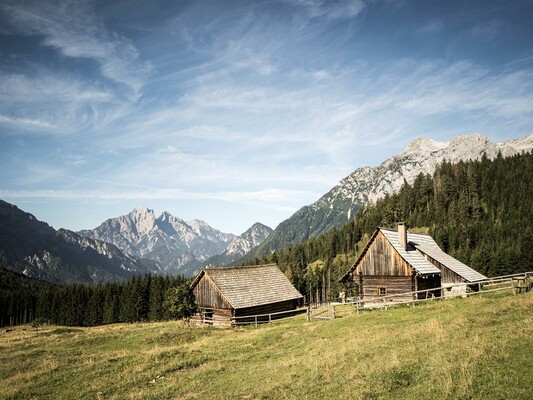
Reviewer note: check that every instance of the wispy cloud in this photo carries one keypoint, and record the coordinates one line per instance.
(25, 122)
(271, 198)
(488, 29)
(54, 103)
(432, 27)
(47, 86)
(72, 28)
(339, 9)
(258, 102)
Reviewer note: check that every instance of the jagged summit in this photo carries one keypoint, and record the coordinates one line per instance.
(37, 250)
(176, 245)
(241, 245)
(420, 144)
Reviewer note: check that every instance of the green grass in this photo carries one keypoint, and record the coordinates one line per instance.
(476, 348)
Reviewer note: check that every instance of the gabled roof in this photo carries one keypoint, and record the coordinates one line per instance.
(426, 245)
(418, 245)
(250, 286)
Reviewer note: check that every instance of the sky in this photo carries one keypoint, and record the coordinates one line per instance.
(236, 112)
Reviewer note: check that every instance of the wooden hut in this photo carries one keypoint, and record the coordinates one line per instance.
(397, 263)
(222, 294)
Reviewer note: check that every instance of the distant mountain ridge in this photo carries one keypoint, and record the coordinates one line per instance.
(241, 245)
(366, 184)
(33, 248)
(178, 246)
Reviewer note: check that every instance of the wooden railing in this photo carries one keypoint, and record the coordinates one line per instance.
(265, 318)
(516, 283)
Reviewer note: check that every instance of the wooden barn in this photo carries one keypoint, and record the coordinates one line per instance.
(397, 262)
(223, 294)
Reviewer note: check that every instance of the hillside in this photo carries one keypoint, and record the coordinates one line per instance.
(368, 184)
(474, 348)
(37, 250)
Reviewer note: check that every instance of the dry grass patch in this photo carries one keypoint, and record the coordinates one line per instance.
(474, 348)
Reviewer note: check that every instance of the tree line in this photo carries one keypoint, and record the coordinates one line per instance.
(479, 212)
(142, 298)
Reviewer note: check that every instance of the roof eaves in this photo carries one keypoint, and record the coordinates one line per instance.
(196, 279)
(354, 266)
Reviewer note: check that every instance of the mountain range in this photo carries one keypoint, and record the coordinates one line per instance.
(242, 245)
(37, 250)
(141, 242)
(135, 243)
(177, 246)
(367, 184)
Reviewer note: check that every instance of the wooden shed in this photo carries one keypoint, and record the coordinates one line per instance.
(395, 262)
(222, 294)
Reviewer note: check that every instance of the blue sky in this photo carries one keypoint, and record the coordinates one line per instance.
(241, 111)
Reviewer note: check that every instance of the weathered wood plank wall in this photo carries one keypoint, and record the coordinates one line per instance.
(267, 308)
(381, 259)
(447, 275)
(393, 285)
(207, 295)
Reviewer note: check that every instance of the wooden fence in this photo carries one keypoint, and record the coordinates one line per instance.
(517, 283)
(265, 318)
(226, 322)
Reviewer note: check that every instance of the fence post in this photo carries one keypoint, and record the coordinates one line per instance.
(333, 312)
(308, 312)
(269, 318)
(256, 321)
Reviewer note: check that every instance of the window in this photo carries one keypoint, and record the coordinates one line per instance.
(207, 315)
(382, 291)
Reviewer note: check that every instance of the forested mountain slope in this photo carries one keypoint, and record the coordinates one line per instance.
(368, 184)
(480, 212)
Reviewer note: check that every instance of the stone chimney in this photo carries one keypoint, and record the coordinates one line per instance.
(402, 234)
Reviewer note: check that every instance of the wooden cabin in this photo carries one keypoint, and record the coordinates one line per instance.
(222, 294)
(397, 262)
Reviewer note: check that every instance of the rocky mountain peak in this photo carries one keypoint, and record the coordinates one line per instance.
(257, 233)
(142, 218)
(241, 245)
(198, 225)
(421, 144)
(178, 246)
(35, 249)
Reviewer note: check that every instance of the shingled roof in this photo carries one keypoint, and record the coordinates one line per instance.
(411, 255)
(250, 286)
(426, 245)
(419, 245)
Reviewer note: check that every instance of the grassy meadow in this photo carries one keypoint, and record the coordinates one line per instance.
(475, 348)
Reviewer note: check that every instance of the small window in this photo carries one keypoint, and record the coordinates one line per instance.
(382, 291)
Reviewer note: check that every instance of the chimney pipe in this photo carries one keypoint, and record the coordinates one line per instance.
(402, 234)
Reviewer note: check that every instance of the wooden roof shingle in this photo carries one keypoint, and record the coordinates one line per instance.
(419, 245)
(426, 245)
(411, 255)
(251, 286)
